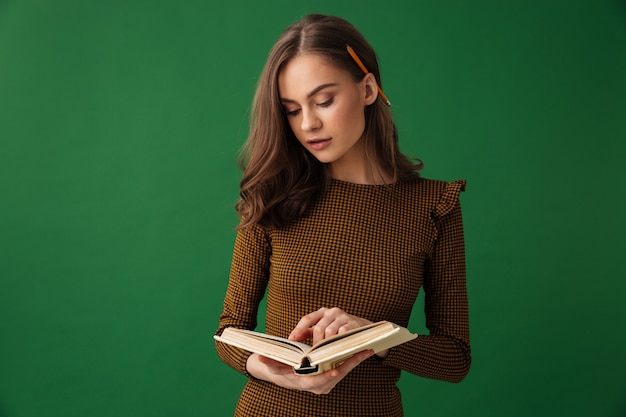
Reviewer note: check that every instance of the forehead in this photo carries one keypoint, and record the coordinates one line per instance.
(303, 73)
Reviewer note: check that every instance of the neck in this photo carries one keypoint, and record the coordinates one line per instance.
(356, 167)
(358, 172)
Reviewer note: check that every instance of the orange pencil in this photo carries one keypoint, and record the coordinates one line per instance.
(365, 71)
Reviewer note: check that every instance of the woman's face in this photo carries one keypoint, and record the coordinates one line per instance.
(325, 108)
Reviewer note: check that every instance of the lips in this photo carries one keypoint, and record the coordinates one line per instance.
(318, 144)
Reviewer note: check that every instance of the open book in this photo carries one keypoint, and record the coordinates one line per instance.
(324, 355)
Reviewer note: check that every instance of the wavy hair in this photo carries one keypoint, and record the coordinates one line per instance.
(281, 179)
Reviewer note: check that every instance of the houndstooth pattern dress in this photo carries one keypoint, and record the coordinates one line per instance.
(367, 249)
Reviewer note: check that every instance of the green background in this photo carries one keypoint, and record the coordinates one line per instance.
(120, 122)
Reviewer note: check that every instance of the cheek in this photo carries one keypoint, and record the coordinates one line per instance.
(352, 120)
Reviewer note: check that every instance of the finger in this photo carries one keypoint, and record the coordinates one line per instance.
(325, 328)
(303, 329)
(275, 367)
(337, 325)
(329, 325)
(325, 382)
(301, 334)
(267, 361)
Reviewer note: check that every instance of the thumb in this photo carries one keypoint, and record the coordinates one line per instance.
(267, 361)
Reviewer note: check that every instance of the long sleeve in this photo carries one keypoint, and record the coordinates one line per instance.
(246, 287)
(369, 250)
(444, 353)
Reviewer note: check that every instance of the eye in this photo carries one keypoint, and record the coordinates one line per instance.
(327, 102)
(291, 113)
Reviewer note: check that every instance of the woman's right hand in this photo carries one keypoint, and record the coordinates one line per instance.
(283, 375)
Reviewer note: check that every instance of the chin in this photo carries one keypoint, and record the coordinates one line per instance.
(324, 159)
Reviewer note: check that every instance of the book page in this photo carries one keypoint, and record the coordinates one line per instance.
(334, 339)
(377, 337)
(290, 344)
(277, 348)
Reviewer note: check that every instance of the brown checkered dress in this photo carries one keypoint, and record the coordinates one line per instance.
(366, 249)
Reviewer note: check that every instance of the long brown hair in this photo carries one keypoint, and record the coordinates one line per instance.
(280, 178)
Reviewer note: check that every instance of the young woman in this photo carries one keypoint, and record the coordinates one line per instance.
(340, 231)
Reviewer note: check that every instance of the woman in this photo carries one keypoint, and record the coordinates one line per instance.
(341, 231)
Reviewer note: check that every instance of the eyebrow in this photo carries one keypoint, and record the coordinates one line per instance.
(312, 93)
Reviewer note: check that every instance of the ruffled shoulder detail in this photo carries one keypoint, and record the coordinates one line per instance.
(449, 198)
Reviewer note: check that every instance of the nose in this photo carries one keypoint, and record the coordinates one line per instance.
(310, 121)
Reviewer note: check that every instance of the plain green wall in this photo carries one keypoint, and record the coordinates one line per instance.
(120, 122)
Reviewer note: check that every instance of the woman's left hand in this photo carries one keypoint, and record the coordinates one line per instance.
(326, 322)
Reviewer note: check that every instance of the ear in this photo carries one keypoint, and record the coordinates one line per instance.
(370, 89)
